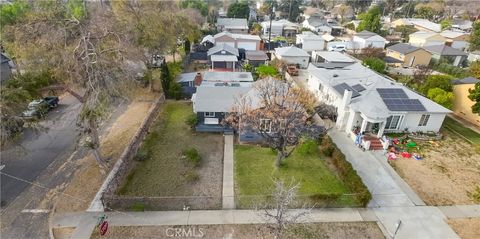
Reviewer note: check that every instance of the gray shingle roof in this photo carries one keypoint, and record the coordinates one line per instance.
(236, 23)
(365, 34)
(444, 50)
(403, 48)
(223, 47)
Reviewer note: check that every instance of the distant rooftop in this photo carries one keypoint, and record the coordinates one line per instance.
(233, 23)
(468, 80)
(444, 50)
(403, 48)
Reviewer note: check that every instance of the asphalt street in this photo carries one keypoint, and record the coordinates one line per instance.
(37, 149)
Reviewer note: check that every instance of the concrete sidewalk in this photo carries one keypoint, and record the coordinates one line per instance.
(228, 196)
(199, 217)
(385, 191)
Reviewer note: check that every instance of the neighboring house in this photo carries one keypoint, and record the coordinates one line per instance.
(293, 55)
(189, 82)
(222, 13)
(240, 41)
(462, 25)
(443, 52)
(458, 40)
(407, 55)
(281, 27)
(421, 39)
(462, 105)
(6, 68)
(474, 56)
(310, 41)
(213, 100)
(233, 25)
(322, 26)
(418, 23)
(369, 102)
(366, 39)
(223, 57)
(256, 58)
(331, 57)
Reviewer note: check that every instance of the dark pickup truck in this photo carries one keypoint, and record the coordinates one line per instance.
(38, 108)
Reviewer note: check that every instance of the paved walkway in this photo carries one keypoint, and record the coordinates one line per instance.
(392, 199)
(228, 199)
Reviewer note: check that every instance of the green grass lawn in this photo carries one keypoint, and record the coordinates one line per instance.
(455, 126)
(165, 172)
(255, 173)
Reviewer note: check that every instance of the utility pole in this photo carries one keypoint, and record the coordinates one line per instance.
(290, 10)
(270, 30)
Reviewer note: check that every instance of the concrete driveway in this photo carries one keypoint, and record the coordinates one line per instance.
(37, 150)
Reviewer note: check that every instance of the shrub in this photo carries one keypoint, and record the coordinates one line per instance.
(192, 156)
(349, 176)
(375, 64)
(192, 176)
(308, 147)
(327, 146)
(138, 207)
(192, 120)
(475, 195)
(142, 154)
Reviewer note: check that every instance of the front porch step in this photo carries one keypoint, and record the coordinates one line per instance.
(375, 143)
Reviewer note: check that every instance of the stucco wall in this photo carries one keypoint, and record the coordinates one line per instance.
(434, 123)
(462, 105)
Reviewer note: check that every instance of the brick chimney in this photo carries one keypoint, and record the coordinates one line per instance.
(198, 79)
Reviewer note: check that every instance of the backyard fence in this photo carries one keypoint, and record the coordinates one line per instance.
(125, 162)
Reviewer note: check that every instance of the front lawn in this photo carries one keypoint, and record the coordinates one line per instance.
(460, 130)
(255, 173)
(166, 172)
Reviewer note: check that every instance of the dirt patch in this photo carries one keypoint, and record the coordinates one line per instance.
(466, 228)
(88, 179)
(249, 231)
(63, 233)
(448, 174)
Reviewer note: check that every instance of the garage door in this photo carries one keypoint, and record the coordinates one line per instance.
(232, 44)
(249, 46)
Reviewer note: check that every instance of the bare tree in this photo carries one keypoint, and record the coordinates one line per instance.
(279, 112)
(283, 197)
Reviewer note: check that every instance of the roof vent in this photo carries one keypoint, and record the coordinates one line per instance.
(335, 75)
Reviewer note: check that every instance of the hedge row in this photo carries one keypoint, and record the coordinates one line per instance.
(345, 170)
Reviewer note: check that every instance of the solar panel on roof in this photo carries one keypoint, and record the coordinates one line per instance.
(358, 87)
(340, 88)
(404, 105)
(387, 93)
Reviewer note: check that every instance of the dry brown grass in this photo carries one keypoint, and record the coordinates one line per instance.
(466, 228)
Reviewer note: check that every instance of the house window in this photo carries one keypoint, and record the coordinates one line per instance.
(266, 125)
(393, 122)
(209, 114)
(424, 120)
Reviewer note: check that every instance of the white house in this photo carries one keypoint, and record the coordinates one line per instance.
(280, 28)
(369, 102)
(310, 41)
(244, 41)
(331, 57)
(322, 26)
(366, 39)
(293, 55)
(418, 23)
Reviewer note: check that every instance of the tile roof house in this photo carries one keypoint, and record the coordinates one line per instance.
(444, 52)
(233, 25)
(223, 57)
(366, 39)
(455, 39)
(421, 39)
(240, 41)
(407, 55)
(369, 102)
(310, 41)
(293, 55)
(462, 105)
